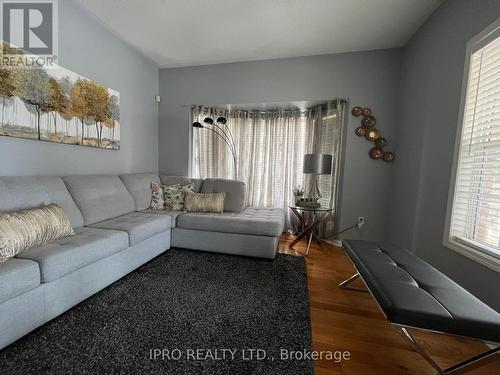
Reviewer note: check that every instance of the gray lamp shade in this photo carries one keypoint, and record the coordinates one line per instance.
(317, 164)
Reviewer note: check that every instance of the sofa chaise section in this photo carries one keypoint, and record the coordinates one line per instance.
(253, 232)
(241, 231)
(256, 221)
(226, 243)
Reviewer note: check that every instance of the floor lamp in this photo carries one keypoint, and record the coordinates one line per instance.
(221, 129)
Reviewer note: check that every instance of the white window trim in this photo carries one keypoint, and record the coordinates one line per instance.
(467, 248)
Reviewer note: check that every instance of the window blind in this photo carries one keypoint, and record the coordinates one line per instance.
(475, 218)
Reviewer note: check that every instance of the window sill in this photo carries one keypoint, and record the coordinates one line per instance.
(473, 253)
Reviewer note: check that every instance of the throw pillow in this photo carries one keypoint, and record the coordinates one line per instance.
(205, 202)
(33, 227)
(157, 200)
(174, 196)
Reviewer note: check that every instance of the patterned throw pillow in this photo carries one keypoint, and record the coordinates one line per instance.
(174, 196)
(205, 202)
(33, 227)
(157, 201)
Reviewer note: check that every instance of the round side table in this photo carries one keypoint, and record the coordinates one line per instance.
(319, 215)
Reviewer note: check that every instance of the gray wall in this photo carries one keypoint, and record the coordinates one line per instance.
(89, 49)
(432, 72)
(367, 78)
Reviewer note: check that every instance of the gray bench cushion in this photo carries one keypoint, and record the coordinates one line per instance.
(235, 192)
(255, 221)
(18, 276)
(412, 292)
(66, 255)
(138, 225)
(17, 193)
(173, 180)
(100, 197)
(173, 215)
(139, 186)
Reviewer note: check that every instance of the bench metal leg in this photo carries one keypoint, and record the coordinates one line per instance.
(409, 338)
(344, 284)
(461, 367)
(474, 362)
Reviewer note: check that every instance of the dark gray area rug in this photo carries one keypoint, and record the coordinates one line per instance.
(184, 312)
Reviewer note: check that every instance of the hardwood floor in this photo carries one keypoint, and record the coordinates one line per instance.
(349, 320)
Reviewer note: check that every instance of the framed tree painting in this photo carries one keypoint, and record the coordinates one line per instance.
(58, 105)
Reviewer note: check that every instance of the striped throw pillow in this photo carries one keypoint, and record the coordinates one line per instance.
(32, 227)
(202, 202)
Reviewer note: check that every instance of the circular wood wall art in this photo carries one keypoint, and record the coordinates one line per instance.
(388, 156)
(357, 111)
(360, 131)
(381, 142)
(376, 153)
(367, 112)
(372, 134)
(368, 121)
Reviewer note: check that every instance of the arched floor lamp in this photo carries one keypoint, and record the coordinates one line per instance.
(221, 129)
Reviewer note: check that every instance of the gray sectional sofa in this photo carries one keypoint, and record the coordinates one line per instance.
(114, 234)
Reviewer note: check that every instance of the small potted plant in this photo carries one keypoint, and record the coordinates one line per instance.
(298, 192)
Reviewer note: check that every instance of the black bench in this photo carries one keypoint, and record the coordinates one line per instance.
(413, 294)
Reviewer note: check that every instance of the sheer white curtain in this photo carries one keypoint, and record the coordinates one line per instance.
(270, 147)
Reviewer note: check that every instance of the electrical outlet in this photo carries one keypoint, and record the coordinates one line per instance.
(361, 222)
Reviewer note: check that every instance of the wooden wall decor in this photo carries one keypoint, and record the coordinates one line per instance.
(372, 134)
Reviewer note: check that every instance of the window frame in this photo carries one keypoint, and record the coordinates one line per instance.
(468, 248)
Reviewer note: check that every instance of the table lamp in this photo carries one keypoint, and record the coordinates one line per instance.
(317, 164)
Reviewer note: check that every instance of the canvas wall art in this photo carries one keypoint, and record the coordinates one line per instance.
(58, 105)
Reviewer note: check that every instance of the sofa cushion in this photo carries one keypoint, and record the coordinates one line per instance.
(172, 214)
(18, 193)
(255, 221)
(138, 225)
(179, 180)
(139, 186)
(66, 255)
(100, 197)
(235, 192)
(18, 276)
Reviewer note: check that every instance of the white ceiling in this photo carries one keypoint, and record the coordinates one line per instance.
(198, 32)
